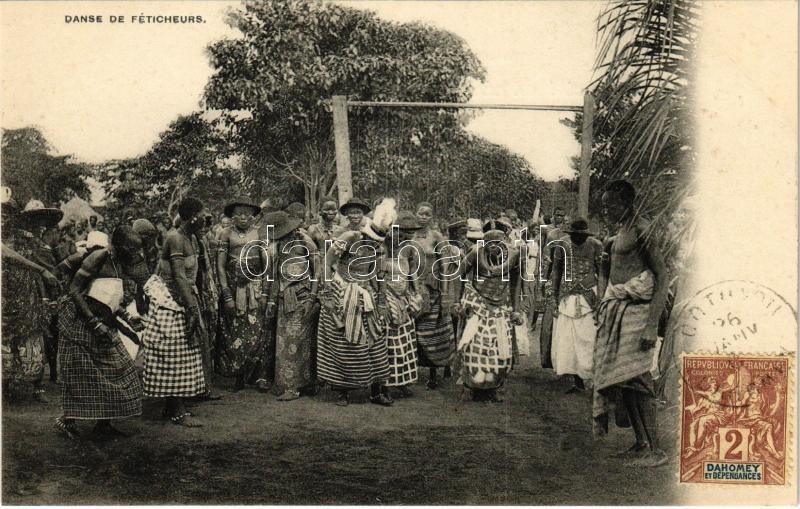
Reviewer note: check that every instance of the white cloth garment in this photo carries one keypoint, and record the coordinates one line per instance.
(574, 333)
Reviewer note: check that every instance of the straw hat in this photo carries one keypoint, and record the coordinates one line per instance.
(282, 224)
(36, 212)
(355, 202)
(241, 201)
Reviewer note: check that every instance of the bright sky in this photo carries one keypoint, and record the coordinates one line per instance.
(105, 91)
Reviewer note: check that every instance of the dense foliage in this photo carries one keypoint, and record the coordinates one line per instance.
(32, 172)
(294, 56)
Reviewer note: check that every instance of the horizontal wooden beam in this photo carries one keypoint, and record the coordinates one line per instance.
(391, 104)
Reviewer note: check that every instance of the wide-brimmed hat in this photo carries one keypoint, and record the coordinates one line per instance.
(355, 202)
(36, 212)
(457, 225)
(407, 220)
(282, 224)
(241, 201)
(474, 229)
(579, 225)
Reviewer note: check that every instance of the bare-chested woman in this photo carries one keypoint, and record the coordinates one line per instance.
(434, 324)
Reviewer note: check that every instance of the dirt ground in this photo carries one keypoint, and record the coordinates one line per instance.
(435, 448)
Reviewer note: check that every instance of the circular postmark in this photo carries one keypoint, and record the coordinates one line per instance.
(735, 316)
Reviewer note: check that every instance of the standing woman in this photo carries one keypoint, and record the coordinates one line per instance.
(294, 294)
(326, 229)
(98, 378)
(491, 303)
(402, 304)
(173, 337)
(351, 350)
(248, 353)
(434, 324)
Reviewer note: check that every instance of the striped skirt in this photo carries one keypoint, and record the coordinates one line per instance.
(172, 368)
(344, 364)
(401, 343)
(435, 336)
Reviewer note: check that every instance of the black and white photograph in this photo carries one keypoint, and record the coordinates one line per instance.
(362, 252)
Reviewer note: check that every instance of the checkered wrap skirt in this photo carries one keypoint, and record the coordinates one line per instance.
(172, 368)
(98, 379)
(485, 365)
(401, 342)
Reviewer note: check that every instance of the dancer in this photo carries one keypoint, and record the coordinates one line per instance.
(173, 336)
(293, 293)
(352, 351)
(434, 323)
(98, 379)
(248, 352)
(491, 303)
(574, 299)
(402, 304)
(634, 289)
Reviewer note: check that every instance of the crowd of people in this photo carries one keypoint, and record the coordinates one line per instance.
(365, 297)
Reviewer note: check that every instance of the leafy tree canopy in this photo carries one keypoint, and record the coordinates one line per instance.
(32, 172)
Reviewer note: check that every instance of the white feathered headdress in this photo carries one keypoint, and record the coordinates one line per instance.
(382, 220)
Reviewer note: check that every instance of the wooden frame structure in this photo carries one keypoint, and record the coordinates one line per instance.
(341, 134)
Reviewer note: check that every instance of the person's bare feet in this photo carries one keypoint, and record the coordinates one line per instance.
(185, 419)
(651, 459)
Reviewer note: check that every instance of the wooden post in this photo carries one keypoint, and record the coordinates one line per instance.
(586, 154)
(341, 138)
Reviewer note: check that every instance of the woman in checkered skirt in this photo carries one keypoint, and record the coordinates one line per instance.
(402, 304)
(173, 336)
(98, 379)
(491, 303)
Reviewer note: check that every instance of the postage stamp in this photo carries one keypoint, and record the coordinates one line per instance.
(736, 418)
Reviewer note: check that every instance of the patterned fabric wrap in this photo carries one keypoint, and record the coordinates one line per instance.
(23, 318)
(622, 318)
(340, 361)
(361, 322)
(296, 333)
(172, 368)
(98, 377)
(402, 348)
(486, 344)
(435, 336)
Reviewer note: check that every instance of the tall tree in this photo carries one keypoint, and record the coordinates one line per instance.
(295, 55)
(190, 157)
(32, 171)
